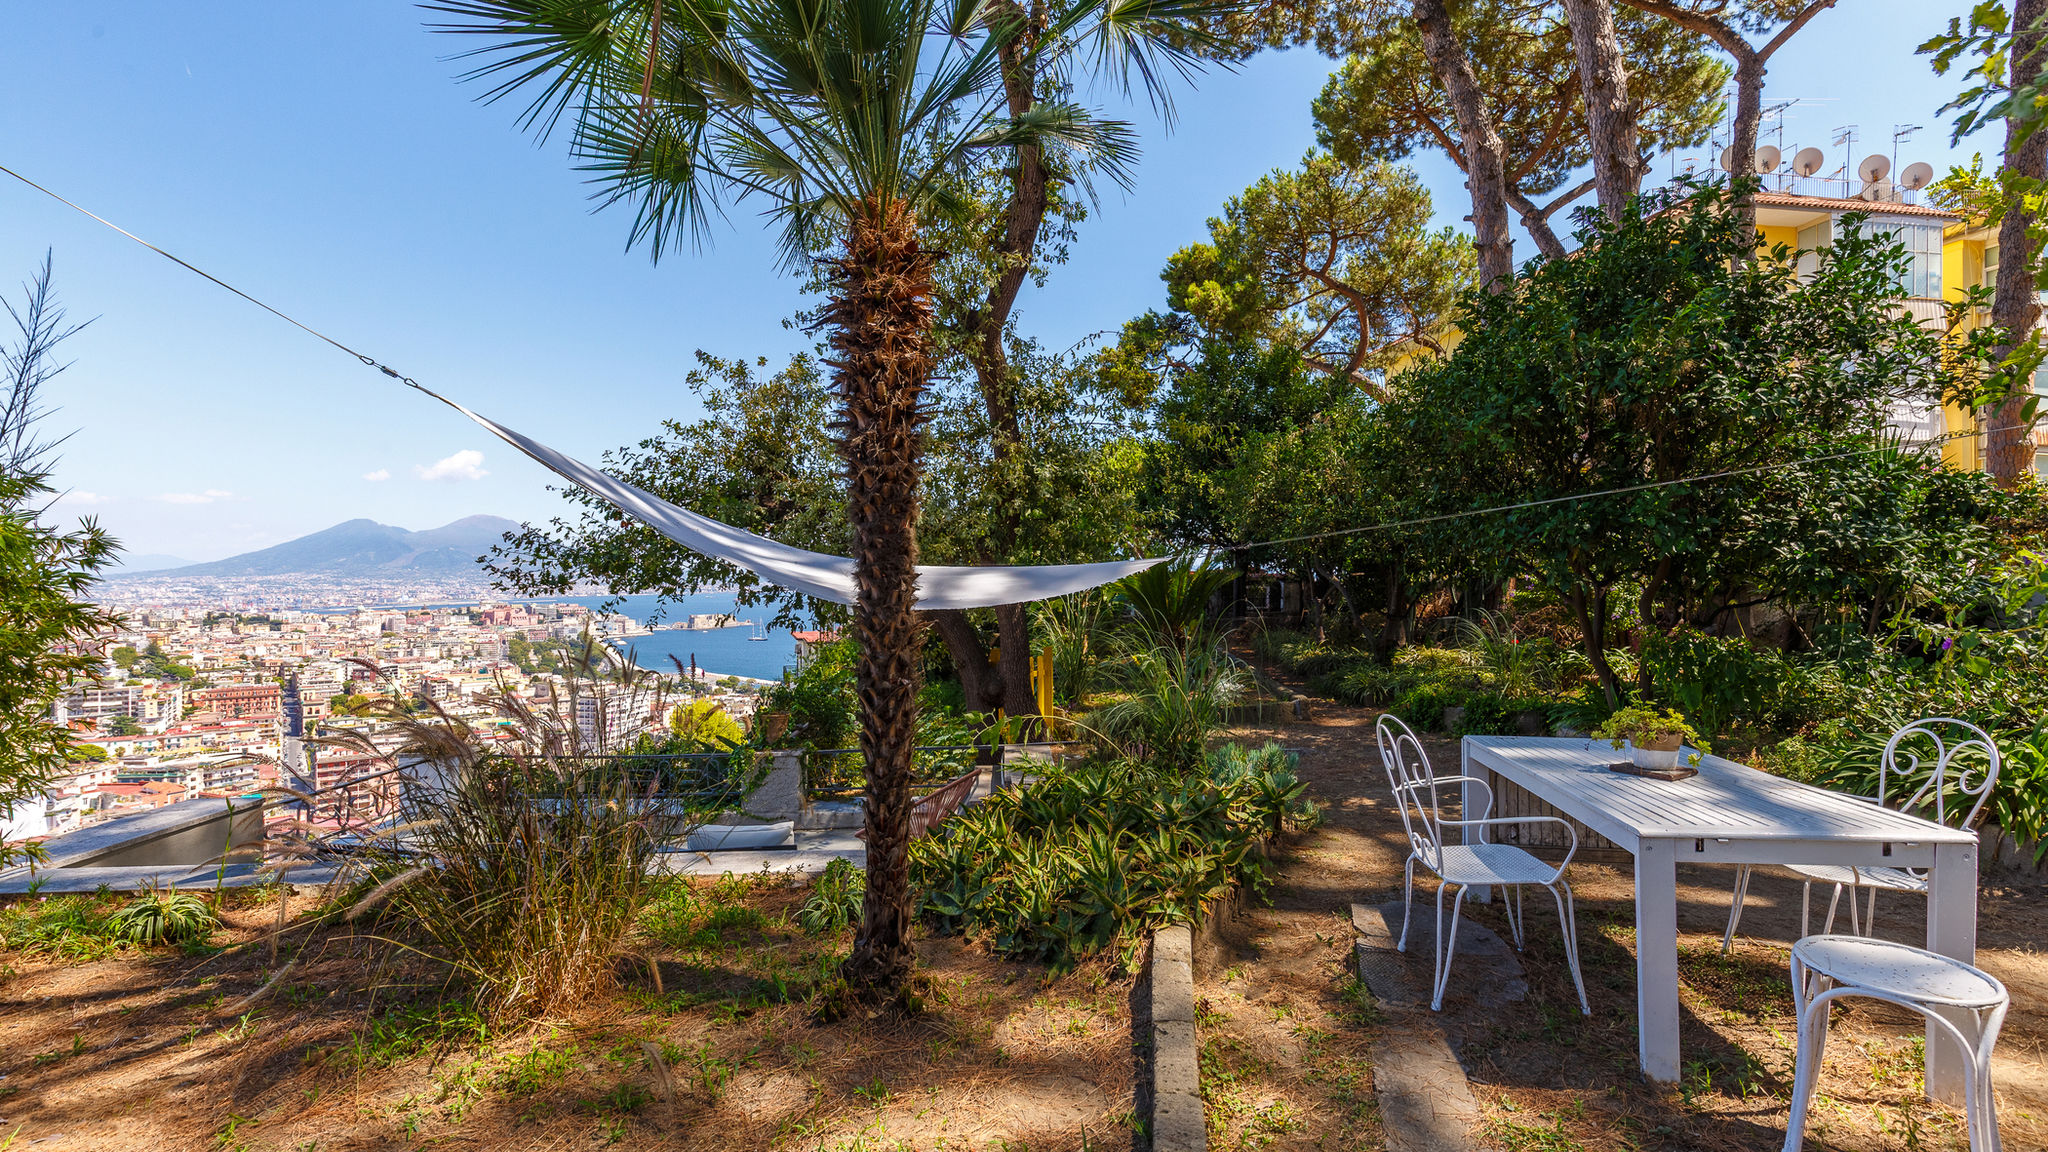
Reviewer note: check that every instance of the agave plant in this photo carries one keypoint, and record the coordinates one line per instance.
(1090, 858)
(164, 916)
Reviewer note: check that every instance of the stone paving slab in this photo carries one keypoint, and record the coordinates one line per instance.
(1426, 1102)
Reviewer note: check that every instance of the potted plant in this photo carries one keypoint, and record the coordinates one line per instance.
(1652, 737)
(770, 727)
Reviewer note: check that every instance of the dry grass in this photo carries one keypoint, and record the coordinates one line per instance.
(358, 1051)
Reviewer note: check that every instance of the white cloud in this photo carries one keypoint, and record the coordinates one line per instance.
(379, 474)
(207, 497)
(76, 496)
(464, 465)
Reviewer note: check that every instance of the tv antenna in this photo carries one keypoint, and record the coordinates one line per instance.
(1900, 134)
(1846, 136)
(1776, 112)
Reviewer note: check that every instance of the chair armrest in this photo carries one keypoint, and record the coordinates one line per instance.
(1484, 824)
(1485, 809)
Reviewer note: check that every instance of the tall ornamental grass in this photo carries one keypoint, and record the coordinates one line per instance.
(520, 858)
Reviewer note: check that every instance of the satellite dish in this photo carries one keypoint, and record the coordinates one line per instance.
(1728, 158)
(1877, 191)
(1916, 175)
(1874, 168)
(1767, 158)
(1808, 161)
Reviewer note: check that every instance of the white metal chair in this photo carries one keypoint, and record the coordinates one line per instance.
(1827, 968)
(1463, 866)
(1946, 790)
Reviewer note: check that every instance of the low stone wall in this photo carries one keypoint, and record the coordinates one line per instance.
(182, 835)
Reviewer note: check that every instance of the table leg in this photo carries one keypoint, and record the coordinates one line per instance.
(1951, 931)
(1469, 800)
(1657, 959)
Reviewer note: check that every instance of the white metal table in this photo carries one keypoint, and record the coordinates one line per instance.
(1731, 814)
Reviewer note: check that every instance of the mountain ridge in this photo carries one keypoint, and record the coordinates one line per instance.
(360, 547)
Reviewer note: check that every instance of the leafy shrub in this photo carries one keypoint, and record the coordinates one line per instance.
(1367, 683)
(1718, 681)
(1581, 711)
(1492, 714)
(1424, 661)
(703, 726)
(1093, 856)
(835, 903)
(164, 917)
(1423, 706)
(819, 699)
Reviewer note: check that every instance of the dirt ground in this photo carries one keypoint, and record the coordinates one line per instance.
(153, 1053)
(1551, 1079)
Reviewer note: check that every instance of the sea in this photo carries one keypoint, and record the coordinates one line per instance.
(719, 651)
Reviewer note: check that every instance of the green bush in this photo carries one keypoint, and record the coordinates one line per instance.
(819, 699)
(1370, 684)
(1423, 706)
(1492, 714)
(2019, 800)
(1424, 661)
(1094, 856)
(1719, 681)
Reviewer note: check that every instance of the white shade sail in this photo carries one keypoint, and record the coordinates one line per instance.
(813, 573)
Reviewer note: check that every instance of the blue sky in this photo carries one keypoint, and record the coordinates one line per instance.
(323, 157)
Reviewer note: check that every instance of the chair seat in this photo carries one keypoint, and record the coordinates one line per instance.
(1899, 970)
(1492, 864)
(1889, 879)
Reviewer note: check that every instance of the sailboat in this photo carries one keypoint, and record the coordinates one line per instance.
(758, 636)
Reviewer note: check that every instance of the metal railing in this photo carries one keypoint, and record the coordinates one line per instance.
(837, 773)
(357, 806)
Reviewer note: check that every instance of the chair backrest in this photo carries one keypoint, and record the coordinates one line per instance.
(1956, 785)
(1413, 782)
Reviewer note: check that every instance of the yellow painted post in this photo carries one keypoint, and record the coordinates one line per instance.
(1041, 682)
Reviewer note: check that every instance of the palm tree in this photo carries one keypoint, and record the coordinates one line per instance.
(846, 120)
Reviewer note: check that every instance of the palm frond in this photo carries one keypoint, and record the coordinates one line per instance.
(571, 48)
(1108, 146)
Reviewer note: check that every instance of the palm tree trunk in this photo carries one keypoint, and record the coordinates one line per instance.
(880, 319)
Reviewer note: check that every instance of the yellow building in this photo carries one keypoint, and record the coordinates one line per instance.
(1970, 257)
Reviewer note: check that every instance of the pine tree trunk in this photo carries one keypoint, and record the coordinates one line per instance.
(1485, 162)
(1610, 117)
(979, 683)
(2015, 306)
(880, 318)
